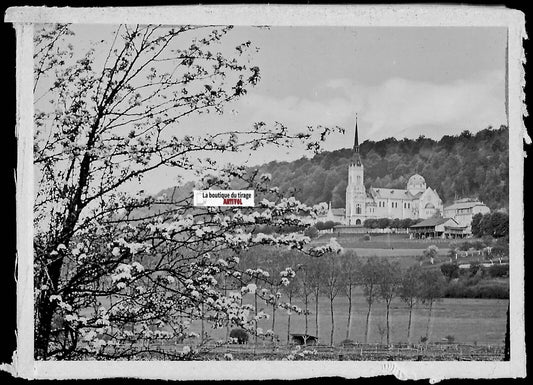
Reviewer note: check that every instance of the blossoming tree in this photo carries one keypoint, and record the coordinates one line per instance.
(117, 273)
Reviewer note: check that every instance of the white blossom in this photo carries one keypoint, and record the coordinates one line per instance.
(252, 287)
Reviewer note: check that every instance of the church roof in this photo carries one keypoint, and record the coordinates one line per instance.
(416, 178)
(391, 193)
(338, 211)
(464, 205)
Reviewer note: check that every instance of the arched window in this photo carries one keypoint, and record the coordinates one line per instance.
(358, 209)
(358, 222)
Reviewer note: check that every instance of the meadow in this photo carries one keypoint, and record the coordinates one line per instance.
(459, 328)
(469, 320)
(384, 241)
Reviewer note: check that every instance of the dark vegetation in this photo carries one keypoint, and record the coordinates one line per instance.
(495, 224)
(479, 163)
(477, 281)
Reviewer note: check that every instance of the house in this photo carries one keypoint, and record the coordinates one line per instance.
(463, 210)
(438, 227)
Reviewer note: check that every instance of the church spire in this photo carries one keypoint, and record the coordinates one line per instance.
(356, 145)
(356, 141)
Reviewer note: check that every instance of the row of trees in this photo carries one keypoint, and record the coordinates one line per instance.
(396, 223)
(336, 274)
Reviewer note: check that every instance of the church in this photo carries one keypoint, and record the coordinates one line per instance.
(416, 201)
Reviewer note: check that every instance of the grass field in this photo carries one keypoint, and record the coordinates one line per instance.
(469, 321)
(384, 241)
(476, 325)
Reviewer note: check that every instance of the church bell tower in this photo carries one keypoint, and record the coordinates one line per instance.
(355, 191)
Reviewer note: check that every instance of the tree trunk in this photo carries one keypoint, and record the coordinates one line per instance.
(202, 325)
(349, 326)
(387, 322)
(367, 324)
(75, 206)
(289, 322)
(46, 308)
(429, 321)
(273, 319)
(255, 320)
(316, 315)
(409, 324)
(306, 299)
(44, 326)
(332, 321)
(225, 295)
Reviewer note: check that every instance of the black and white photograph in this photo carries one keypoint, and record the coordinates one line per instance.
(278, 192)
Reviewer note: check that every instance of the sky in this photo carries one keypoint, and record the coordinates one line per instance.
(401, 81)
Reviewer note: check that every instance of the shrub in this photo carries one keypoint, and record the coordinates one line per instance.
(450, 339)
(484, 291)
(450, 270)
(474, 268)
(311, 232)
(477, 244)
(458, 290)
(366, 237)
(497, 271)
(492, 291)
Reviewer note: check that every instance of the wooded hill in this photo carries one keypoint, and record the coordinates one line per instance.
(465, 165)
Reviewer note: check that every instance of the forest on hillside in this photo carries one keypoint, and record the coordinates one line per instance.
(459, 166)
(465, 165)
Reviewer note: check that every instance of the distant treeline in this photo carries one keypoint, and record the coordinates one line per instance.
(465, 165)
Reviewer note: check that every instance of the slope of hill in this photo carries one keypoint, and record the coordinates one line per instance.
(465, 165)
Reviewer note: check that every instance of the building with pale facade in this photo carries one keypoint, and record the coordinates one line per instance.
(416, 201)
(462, 210)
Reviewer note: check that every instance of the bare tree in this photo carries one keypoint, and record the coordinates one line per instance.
(389, 283)
(305, 290)
(332, 285)
(409, 292)
(370, 277)
(290, 289)
(316, 277)
(431, 289)
(351, 272)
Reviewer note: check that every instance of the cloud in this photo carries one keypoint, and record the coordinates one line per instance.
(297, 112)
(401, 107)
(398, 107)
